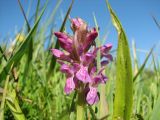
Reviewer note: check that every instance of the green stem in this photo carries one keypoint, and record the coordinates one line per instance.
(81, 106)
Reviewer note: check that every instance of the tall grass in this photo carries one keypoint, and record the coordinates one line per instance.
(32, 86)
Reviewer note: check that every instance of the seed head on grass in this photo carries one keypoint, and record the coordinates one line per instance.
(78, 60)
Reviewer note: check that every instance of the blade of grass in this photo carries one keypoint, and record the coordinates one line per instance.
(124, 85)
(72, 107)
(103, 107)
(53, 59)
(28, 26)
(6, 61)
(49, 23)
(155, 69)
(30, 46)
(50, 19)
(92, 112)
(3, 55)
(97, 43)
(135, 57)
(143, 65)
(155, 20)
(37, 10)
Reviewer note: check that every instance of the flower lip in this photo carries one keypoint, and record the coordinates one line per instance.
(83, 75)
(69, 86)
(92, 96)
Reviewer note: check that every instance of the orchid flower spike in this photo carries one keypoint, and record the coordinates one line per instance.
(78, 60)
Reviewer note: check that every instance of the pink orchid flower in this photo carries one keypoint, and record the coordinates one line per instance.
(78, 60)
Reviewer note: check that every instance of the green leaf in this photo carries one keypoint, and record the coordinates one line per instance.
(124, 84)
(18, 55)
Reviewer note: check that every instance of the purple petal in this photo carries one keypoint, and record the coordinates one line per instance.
(76, 23)
(92, 96)
(76, 67)
(83, 75)
(60, 35)
(88, 58)
(108, 56)
(64, 41)
(69, 86)
(106, 48)
(57, 53)
(103, 77)
(60, 55)
(90, 38)
(97, 79)
(104, 63)
(93, 70)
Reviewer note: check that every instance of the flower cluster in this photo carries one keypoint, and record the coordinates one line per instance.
(78, 60)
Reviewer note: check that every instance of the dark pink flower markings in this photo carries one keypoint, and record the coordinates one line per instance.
(78, 60)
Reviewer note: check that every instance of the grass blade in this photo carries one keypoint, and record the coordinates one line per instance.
(157, 23)
(28, 26)
(143, 65)
(135, 57)
(30, 46)
(103, 107)
(3, 55)
(37, 10)
(92, 112)
(124, 84)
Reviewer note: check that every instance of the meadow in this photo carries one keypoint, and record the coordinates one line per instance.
(32, 85)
